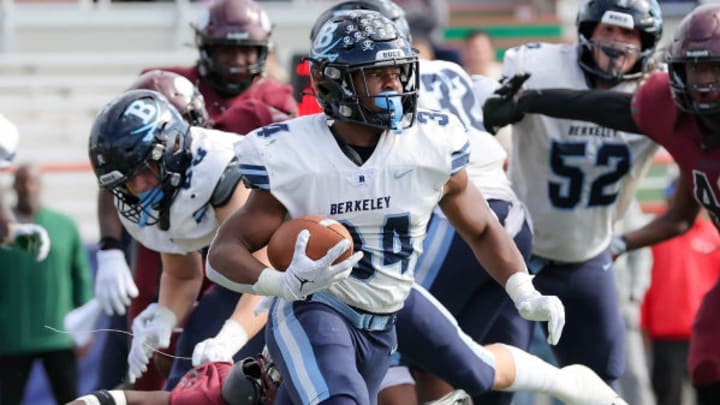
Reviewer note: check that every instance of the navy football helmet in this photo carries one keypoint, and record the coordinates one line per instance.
(642, 15)
(352, 43)
(388, 8)
(179, 91)
(240, 23)
(138, 130)
(696, 41)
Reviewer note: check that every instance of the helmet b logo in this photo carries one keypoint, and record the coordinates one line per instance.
(144, 110)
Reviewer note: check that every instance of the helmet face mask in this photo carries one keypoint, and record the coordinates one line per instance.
(140, 132)
(644, 16)
(229, 24)
(345, 49)
(694, 62)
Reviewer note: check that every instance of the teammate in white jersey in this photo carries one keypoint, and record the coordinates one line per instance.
(449, 269)
(576, 178)
(374, 164)
(173, 184)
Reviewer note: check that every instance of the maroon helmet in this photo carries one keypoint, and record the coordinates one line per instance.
(696, 41)
(240, 23)
(179, 91)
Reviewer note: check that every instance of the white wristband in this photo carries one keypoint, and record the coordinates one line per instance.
(618, 245)
(110, 254)
(217, 278)
(93, 398)
(270, 282)
(233, 335)
(519, 287)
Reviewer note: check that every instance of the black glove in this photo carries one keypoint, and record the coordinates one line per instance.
(501, 108)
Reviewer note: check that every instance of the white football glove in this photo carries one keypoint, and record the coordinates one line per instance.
(306, 276)
(152, 330)
(231, 338)
(31, 238)
(114, 285)
(534, 306)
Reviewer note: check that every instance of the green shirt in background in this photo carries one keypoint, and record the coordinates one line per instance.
(34, 294)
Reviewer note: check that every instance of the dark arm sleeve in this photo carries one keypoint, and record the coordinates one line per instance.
(611, 109)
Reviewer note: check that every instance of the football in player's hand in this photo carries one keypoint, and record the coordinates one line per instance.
(324, 234)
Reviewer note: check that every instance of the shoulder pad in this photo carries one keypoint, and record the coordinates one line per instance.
(226, 184)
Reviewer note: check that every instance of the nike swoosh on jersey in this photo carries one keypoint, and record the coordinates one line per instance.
(400, 173)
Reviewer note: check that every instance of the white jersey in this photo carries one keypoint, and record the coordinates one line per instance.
(575, 177)
(385, 203)
(446, 87)
(192, 217)
(483, 87)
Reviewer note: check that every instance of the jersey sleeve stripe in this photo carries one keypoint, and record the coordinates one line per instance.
(460, 158)
(256, 176)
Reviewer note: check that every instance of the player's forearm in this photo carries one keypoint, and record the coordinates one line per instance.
(178, 295)
(498, 254)
(108, 220)
(611, 109)
(664, 227)
(245, 315)
(230, 258)
(682, 211)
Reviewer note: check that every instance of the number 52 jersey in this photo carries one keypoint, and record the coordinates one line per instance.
(385, 203)
(576, 178)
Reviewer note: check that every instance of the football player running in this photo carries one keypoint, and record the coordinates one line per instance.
(577, 178)
(680, 110)
(448, 268)
(331, 328)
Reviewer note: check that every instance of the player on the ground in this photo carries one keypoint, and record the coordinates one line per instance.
(250, 381)
(379, 167)
(679, 110)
